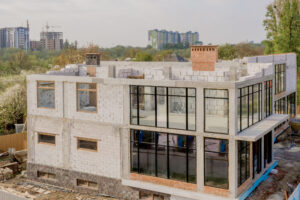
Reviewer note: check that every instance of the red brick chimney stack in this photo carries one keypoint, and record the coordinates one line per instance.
(204, 57)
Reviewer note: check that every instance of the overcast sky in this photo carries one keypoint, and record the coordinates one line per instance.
(126, 22)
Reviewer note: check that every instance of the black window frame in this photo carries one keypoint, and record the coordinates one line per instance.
(257, 144)
(243, 148)
(280, 78)
(268, 98)
(268, 143)
(224, 98)
(187, 96)
(168, 146)
(223, 153)
(240, 113)
(280, 106)
(291, 105)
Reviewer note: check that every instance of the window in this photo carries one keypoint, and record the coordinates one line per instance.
(216, 111)
(268, 98)
(291, 105)
(216, 163)
(164, 155)
(280, 106)
(257, 157)
(88, 184)
(45, 94)
(267, 149)
(163, 107)
(46, 175)
(87, 144)
(46, 138)
(243, 161)
(87, 97)
(280, 78)
(249, 106)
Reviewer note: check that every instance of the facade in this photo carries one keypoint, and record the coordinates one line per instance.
(159, 130)
(159, 38)
(35, 45)
(17, 37)
(52, 41)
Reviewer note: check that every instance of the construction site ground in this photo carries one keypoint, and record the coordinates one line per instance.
(285, 177)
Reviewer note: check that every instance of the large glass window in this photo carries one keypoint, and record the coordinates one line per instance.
(280, 106)
(291, 105)
(163, 107)
(268, 98)
(280, 78)
(249, 106)
(45, 94)
(257, 157)
(216, 111)
(267, 149)
(164, 155)
(216, 163)
(87, 97)
(243, 161)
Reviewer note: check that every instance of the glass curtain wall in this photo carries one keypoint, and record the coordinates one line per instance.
(243, 161)
(291, 105)
(280, 78)
(216, 111)
(163, 155)
(280, 106)
(249, 106)
(268, 98)
(216, 163)
(163, 107)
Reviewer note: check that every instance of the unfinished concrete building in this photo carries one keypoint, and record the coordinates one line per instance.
(160, 130)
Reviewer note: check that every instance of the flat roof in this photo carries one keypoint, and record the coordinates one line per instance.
(263, 127)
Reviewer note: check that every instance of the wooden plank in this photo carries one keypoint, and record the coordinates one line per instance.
(17, 141)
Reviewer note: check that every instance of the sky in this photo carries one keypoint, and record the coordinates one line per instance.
(109, 23)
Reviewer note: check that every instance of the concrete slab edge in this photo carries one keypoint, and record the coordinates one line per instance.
(260, 180)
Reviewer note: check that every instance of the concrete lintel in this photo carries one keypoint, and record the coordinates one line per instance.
(263, 127)
(240, 84)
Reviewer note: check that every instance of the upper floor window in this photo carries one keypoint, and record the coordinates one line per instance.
(163, 107)
(45, 94)
(87, 97)
(216, 111)
(280, 78)
(249, 106)
(268, 98)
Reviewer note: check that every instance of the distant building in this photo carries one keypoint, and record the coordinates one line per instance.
(34, 45)
(51, 40)
(15, 37)
(159, 38)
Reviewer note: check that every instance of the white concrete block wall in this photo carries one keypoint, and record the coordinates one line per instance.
(291, 73)
(46, 154)
(107, 160)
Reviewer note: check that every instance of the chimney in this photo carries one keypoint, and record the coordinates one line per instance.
(204, 57)
(92, 60)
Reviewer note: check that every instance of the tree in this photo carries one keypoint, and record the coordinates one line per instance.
(227, 52)
(141, 56)
(282, 24)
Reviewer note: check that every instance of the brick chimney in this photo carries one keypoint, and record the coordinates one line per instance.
(92, 60)
(204, 57)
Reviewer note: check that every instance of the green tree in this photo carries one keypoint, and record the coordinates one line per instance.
(227, 52)
(141, 56)
(282, 24)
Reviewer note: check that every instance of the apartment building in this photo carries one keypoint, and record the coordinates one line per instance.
(52, 41)
(15, 37)
(160, 130)
(160, 38)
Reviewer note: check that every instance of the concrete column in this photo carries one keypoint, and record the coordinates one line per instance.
(233, 166)
(200, 162)
(200, 110)
(232, 111)
(125, 152)
(126, 105)
(31, 139)
(66, 143)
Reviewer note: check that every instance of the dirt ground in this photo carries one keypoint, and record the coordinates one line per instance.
(287, 176)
